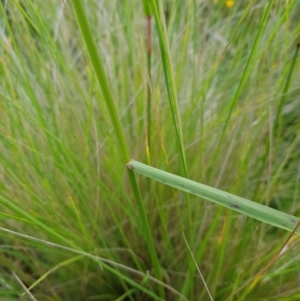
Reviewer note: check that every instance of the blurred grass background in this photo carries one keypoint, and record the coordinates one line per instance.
(61, 164)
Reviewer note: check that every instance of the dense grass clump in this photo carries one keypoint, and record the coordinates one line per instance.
(208, 90)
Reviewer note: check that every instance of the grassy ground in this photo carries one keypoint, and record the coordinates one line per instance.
(219, 105)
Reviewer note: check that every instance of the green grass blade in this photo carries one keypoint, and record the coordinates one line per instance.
(244, 77)
(71, 245)
(105, 263)
(101, 76)
(257, 211)
(169, 79)
(147, 8)
(23, 214)
(157, 9)
(110, 104)
(278, 120)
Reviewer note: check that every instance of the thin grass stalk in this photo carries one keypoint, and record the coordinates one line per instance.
(110, 104)
(103, 261)
(253, 281)
(72, 247)
(157, 10)
(148, 13)
(100, 73)
(241, 84)
(169, 78)
(149, 93)
(278, 120)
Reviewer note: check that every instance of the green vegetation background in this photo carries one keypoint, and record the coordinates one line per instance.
(220, 106)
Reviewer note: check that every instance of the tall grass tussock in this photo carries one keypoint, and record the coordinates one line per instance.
(204, 96)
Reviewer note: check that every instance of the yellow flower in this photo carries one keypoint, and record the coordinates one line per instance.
(229, 3)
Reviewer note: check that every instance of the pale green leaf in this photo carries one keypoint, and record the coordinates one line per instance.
(255, 210)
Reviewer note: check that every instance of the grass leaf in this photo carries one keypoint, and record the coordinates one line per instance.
(255, 210)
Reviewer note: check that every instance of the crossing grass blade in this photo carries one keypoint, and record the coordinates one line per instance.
(255, 210)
